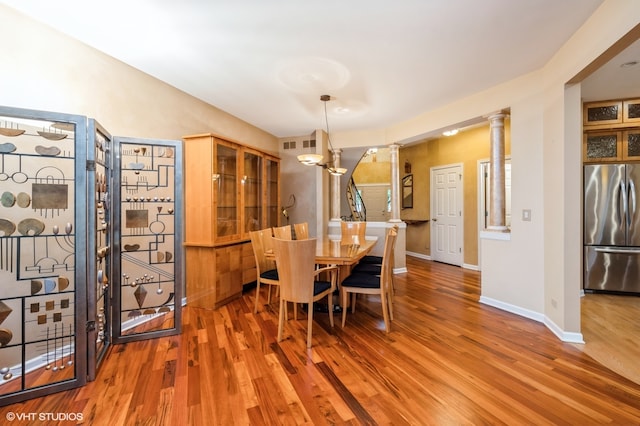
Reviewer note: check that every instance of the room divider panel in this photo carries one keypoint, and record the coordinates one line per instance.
(82, 217)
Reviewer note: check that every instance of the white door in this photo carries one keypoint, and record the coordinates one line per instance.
(376, 201)
(446, 214)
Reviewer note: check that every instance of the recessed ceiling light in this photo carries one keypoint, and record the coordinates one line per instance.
(629, 64)
(450, 132)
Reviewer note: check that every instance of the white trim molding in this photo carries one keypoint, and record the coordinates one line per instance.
(536, 316)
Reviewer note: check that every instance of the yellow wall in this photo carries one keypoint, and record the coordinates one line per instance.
(370, 172)
(466, 148)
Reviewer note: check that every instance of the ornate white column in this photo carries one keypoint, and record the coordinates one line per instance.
(497, 197)
(395, 182)
(335, 188)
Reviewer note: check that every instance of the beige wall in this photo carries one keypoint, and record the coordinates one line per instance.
(467, 148)
(46, 70)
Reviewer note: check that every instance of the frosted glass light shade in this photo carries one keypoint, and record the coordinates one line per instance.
(310, 159)
(337, 171)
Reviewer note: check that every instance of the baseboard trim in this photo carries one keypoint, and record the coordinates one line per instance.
(418, 255)
(564, 336)
(527, 313)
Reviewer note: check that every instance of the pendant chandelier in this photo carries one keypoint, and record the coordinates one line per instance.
(316, 159)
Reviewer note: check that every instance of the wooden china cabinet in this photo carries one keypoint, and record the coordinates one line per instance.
(611, 131)
(230, 190)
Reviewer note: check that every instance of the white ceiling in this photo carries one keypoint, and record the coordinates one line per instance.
(268, 62)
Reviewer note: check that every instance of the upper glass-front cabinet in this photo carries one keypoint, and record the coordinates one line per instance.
(611, 131)
(230, 190)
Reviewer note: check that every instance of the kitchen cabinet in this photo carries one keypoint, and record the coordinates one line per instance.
(602, 113)
(230, 190)
(602, 146)
(611, 131)
(631, 144)
(631, 111)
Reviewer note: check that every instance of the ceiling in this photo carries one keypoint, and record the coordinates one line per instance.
(268, 62)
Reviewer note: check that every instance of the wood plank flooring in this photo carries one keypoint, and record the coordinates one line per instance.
(611, 331)
(447, 361)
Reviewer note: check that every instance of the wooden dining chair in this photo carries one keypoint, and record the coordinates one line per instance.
(299, 282)
(372, 264)
(266, 272)
(349, 230)
(301, 230)
(361, 283)
(282, 232)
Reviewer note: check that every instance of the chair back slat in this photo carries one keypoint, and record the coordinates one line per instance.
(262, 241)
(295, 260)
(301, 230)
(386, 273)
(351, 229)
(282, 232)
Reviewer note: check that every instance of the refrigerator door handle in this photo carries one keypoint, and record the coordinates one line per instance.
(632, 201)
(625, 213)
(617, 250)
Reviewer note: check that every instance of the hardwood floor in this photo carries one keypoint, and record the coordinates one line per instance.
(611, 332)
(447, 361)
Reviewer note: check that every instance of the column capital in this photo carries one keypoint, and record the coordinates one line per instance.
(497, 115)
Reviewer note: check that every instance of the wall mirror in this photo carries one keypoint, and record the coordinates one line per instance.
(407, 192)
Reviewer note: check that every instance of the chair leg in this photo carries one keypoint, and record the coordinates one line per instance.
(269, 294)
(255, 310)
(330, 302)
(353, 303)
(309, 324)
(345, 295)
(283, 308)
(390, 303)
(385, 311)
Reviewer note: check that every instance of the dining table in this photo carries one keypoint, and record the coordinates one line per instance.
(345, 254)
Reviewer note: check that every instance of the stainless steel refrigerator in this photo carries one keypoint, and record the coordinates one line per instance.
(612, 227)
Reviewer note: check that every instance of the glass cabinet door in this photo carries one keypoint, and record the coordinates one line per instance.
(602, 146)
(226, 199)
(631, 145)
(272, 195)
(251, 185)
